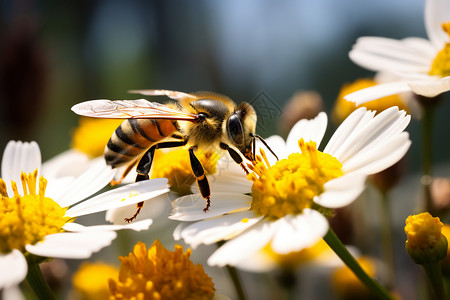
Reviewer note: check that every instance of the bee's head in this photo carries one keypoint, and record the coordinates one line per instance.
(241, 126)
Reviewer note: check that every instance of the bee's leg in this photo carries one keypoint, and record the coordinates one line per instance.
(145, 164)
(202, 181)
(234, 155)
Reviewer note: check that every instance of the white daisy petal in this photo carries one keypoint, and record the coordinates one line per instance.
(278, 145)
(221, 182)
(136, 226)
(68, 163)
(17, 267)
(88, 183)
(436, 13)
(309, 130)
(244, 245)
(125, 195)
(342, 191)
(430, 89)
(294, 233)
(72, 245)
(153, 208)
(377, 91)
(19, 157)
(380, 156)
(12, 293)
(190, 207)
(212, 230)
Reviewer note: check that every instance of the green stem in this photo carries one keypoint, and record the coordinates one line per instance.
(434, 273)
(427, 132)
(236, 281)
(234, 278)
(333, 241)
(387, 244)
(38, 283)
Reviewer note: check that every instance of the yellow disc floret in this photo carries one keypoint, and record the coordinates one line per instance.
(92, 135)
(441, 63)
(290, 185)
(28, 218)
(91, 280)
(343, 108)
(425, 243)
(158, 273)
(175, 165)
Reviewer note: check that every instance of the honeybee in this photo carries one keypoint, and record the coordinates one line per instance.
(200, 120)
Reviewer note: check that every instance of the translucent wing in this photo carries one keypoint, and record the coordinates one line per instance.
(171, 94)
(129, 109)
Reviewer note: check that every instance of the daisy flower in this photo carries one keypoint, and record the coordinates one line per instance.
(421, 64)
(290, 197)
(38, 216)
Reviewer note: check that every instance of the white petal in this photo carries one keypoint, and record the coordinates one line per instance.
(371, 132)
(12, 293)
(310, 130)
(19, 157)
(380, 156)
(72, 245)
(152, 208)
(377, 91)
(212, 230)
(244, 245)
(91, 181)
(294, 233)
(342, 191)
(278, 145)
(68, 163)
(122, 196)
(436, 13)
(13, 268)
(190, 207)
(136, 226)
(223, 179)
(430, 89)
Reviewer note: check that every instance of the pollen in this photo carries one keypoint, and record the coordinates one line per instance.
(290, 185)
(175, 165)
(158, 273)
(441, 63)
(28, 218)
(92, 135)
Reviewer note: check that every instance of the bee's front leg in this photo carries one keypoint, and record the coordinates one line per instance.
(202, 181)
(235, 156)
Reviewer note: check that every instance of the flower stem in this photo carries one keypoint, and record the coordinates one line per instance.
(38, 283)
(234, 278)
(427, 131)
(333, 241)
(386, 237)
(434, 273)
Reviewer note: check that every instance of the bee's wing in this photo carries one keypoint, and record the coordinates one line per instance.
(171, 94)
(129, 109)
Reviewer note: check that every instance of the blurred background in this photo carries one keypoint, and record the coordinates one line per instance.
(54, 54)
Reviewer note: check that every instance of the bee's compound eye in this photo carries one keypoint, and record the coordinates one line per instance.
(235, 130)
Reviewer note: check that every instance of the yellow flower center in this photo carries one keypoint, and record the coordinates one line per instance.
(290, 185)
(176, 167)
(441, 64)
(29, 218)
(92, 135)
(160, 274)
(343, 108)
(91, 280)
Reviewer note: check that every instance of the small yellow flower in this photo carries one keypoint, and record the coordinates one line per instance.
(446, 261)
(425, 243)
(158, 273)
(91, 280)
(92, 135)
(343, 108)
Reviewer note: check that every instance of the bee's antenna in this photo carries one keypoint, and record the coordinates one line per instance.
(265, 144)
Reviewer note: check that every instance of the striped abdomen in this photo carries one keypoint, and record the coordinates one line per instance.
(134, 136)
